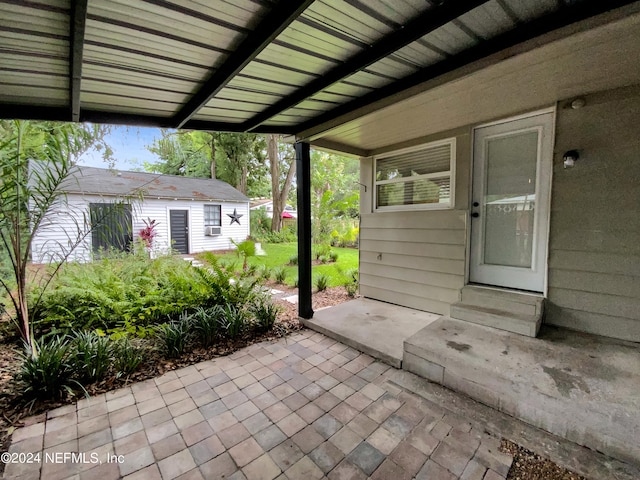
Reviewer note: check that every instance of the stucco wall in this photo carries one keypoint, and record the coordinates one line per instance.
(594, 262)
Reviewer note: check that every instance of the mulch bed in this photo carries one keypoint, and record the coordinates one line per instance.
(530, 466)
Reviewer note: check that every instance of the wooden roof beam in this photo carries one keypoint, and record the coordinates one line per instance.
(416, 28)
(271, 26)
(76, 48)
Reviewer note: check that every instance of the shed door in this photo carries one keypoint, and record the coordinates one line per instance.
(111, 227)
(510, 211)
(179, 224)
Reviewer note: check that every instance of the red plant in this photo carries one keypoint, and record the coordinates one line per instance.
(148, 233)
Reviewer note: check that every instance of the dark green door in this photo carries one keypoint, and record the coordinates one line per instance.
(111, 227)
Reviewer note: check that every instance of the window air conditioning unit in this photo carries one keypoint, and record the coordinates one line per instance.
(212, 231)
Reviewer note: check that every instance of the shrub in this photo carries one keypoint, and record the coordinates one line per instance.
(232, 321)
(323, 259)
(280, 275)
(293, 260)
(333, 256)
(205, 324)
(322, 250)
(295, 283)
(263, 273)
(126, 357)
(47, 374)
(265, 313)
(91, 356)
(173, 337)
(352, 282)
(322, 282)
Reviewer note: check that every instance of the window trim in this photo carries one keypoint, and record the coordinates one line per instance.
(451, 173)
(204, 213)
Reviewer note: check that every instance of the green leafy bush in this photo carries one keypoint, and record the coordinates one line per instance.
(280, 275)
(205, 324)
(322, 282)
(47, 374)
(126, 357)
(323, 259)
(91, 356)
(333, 256)
(322, 250)
(263, 272)
(293, 260)
(120, 293)
(265, 313)
(352, 282)
(233, 321)
(173, 337)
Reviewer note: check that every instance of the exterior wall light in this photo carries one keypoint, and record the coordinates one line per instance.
(570, 158)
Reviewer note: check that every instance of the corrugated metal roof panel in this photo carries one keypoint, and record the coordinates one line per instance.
(241, 106)
(119, 37)
(349, 20)
(367, 80)
(528, 10)
(488, 20)
(53, 22)
(421, 53)
(127, 103)
(257, 84)
(115, 75)
(450, 38)
(309, 33)
(289, 57)
(213, 115)
(34, 95)
(141, 63)
(392, 68)
(101, 85)
(155, 17)
(277, 74)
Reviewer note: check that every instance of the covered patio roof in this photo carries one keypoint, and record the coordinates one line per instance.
(302, 68)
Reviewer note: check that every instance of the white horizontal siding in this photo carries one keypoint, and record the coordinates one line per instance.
(64, 225)
(63, 233)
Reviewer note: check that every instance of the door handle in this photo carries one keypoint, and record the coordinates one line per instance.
(475, 214)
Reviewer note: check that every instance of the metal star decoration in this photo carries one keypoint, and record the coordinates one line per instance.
(235, 217)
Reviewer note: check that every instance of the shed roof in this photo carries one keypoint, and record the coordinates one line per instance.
(249, 65)
(101, 181)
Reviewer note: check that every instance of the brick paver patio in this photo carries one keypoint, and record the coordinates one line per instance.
(305, 407)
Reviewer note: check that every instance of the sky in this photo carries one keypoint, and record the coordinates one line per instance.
(128, 145)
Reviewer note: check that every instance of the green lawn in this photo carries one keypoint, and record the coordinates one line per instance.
(278, 255)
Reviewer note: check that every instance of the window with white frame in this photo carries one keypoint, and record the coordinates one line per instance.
(212, 215)
(417, 177)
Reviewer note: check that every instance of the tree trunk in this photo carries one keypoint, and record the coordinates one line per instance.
(213, 156)
(278, 195)
(243, 180)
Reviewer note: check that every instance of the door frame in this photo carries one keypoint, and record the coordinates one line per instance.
(188, 210)
(468, 250)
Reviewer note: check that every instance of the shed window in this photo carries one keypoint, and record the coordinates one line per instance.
(212, 216)
(414, 178)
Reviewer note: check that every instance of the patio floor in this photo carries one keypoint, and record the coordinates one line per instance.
(373, 327)
(302, 407)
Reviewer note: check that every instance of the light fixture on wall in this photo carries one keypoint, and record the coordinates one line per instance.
(570, 157)
(578, 103)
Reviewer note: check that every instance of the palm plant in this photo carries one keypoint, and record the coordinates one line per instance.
(36, 158)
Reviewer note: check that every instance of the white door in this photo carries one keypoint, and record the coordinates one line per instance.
(510, 202)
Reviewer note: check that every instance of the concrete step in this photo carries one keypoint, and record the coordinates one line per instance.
(520, 323)
(581, 387)
(507, 300)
